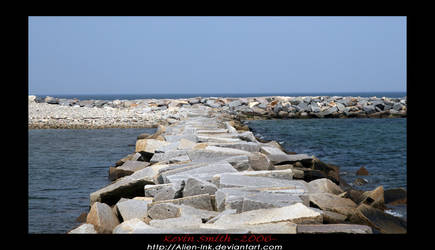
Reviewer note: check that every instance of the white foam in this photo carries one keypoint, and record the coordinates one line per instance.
(394, 213)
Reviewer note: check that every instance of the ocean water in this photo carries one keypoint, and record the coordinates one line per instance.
(176, 96)
(377, 144)
(65, 167)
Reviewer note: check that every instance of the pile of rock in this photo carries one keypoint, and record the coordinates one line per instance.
(50, 112)
(203, 175)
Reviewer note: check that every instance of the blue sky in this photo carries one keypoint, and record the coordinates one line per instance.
(189, 55)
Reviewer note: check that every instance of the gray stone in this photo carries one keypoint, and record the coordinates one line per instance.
(202, 201)
(165, 193)
(152, 190)
(127, 187)
(245, 146)
(168, 156)
(133, 166)
(164, 211)
(51, 100)
(131, 208)
(149, 145)
(195, 186)
(296, 213)
(212, 153)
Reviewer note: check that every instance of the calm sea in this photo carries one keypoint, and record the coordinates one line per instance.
(176, 96)
(65, 166)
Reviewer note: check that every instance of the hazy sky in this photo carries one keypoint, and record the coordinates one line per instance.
(149, 55)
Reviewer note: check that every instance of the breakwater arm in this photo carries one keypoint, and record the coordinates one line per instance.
(205, 173)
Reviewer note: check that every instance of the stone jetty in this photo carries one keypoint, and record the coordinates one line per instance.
(50, 112)
(204, 172)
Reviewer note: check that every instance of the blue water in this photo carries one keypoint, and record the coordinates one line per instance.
(176, 96)
(65, 166)
(377, 144)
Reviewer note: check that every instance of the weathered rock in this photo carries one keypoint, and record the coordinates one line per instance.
(395, 196)
(128, 168)
(164, 211)
(84, 229)
(297, 213)
(333, 218)
(324, 185)
(127, 187)
(362, 171)
(196, 186)
(333, 229)
(149, 145)
(165, 193)
(333, 203)
(102, 217)
(259, 161)
(202, 201)
(131, 208)
(374, 198)
(376, 218)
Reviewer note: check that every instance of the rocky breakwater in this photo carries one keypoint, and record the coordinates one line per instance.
(52, 112)
(203, 174)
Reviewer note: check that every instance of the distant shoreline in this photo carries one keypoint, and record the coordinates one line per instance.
(73, 113)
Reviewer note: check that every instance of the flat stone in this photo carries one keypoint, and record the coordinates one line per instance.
(202, 201)
(133, 166)
(196, 186)
(152, 190)
(286, 174)
(168, 156)
(277, 156)
(102, 217)
(333, 228)
(333, 203)
(204, 172)
(245, 146)
(212, 153)
(164, 211)
(149, 145)
(230, 180)
(265, 228)
(130, 208)
(84, 229)
(324, 185)
(297, 213)
(185, 144)
(127, 187)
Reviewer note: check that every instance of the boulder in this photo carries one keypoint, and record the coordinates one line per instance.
(165, 193)
(182, 222)
(127, 187)
(333, 218)
(152, 190)
(333, 228)
(362, 171)
(333, 203)
(374, 198)
(84, 229)
(259, 161)
(149, 145)
(131, 208)
(102, 217)
(51, 100)
(377, 219)
(324, 185)
(196, 186)
(395, 196)
(164, 211)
